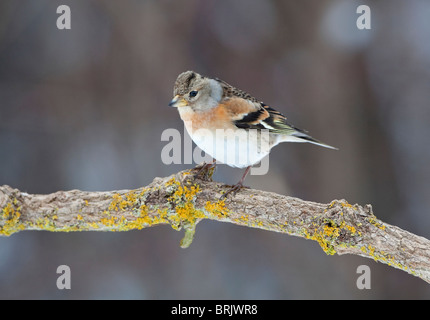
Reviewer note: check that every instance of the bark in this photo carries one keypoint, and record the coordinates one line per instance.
(182, 201)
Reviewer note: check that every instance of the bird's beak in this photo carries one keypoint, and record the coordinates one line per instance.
(177, 102)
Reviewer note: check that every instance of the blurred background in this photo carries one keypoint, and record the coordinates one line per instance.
(85, 108)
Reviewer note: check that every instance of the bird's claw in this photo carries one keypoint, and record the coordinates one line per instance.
(233, 189)
(205, 171)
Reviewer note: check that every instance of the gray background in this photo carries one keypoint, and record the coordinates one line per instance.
(85, 108)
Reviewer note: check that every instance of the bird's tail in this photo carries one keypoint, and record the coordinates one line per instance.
(300, 136)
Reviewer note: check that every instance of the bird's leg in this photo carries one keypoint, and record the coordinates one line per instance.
(238, 185)
(205, 168)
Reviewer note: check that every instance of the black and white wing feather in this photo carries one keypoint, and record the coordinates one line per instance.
(250, 113)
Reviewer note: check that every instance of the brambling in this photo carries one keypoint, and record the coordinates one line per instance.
(221, 118)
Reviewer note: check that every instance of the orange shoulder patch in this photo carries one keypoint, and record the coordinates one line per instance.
(238, 107)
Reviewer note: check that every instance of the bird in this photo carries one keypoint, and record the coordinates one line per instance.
(229, 124)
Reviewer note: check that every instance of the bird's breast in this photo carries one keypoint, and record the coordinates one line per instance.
(214, 118)
(214, 132)
(234, 147)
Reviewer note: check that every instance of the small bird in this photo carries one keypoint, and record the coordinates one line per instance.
(221, 119)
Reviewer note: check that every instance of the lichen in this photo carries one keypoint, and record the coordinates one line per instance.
(375, 222)
(331, 234)
(183, 212)
(11, 215)
(125, 202)
(116, 199)
(216, 209)
(183, 205)
(384, 257)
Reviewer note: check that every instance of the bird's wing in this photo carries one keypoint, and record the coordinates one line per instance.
(249, 113)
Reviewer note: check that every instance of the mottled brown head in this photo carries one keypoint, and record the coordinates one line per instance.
(184, 81)
(193, 90)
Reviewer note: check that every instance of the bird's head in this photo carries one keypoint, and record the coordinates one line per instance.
(195, 91)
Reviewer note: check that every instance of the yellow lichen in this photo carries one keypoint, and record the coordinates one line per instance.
(374, 221)
(217, 209)
(184, 193)
(323, 239)
(345, 204)
(143, 210)
(109, 222)
(11, 215)
(116, 199)
(384, 257)
(328, 236)
(92, 225)
(351, 229)
(185, 212)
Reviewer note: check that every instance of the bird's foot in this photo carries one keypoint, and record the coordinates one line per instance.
(204, 171)
(233, 190)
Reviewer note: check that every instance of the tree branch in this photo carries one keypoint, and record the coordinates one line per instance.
(182, 201)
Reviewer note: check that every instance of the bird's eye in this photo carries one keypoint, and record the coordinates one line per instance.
(193, 94)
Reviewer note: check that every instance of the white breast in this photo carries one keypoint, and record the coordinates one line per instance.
(236, 148)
